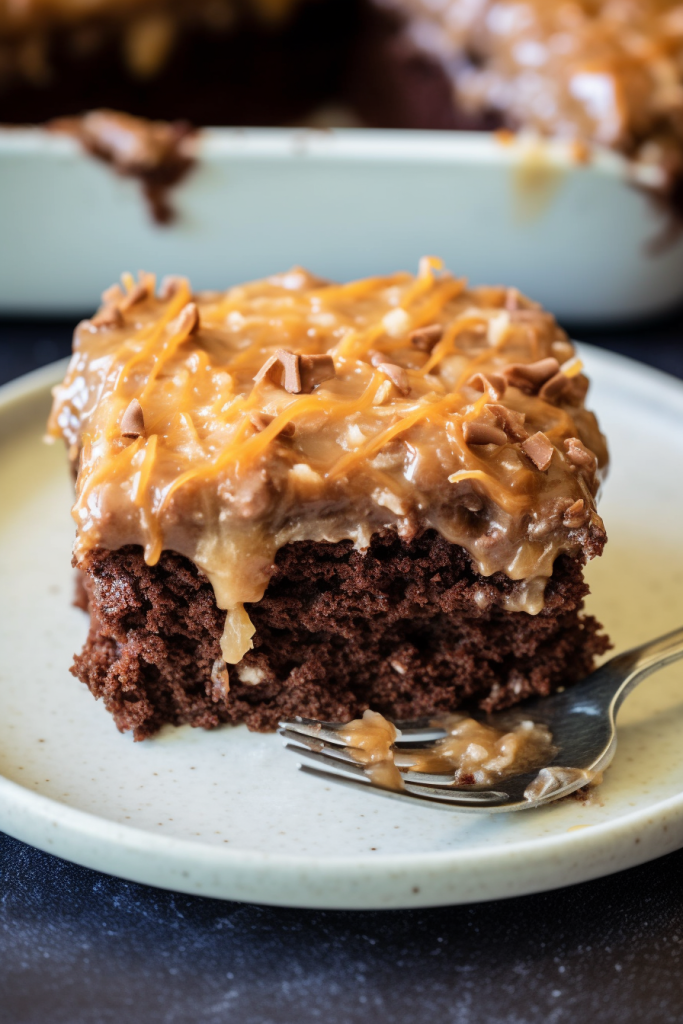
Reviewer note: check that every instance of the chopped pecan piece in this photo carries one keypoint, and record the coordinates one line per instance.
(112, 296)
(554, 387)
(188, 320)
(133, 420)
(169, 286)
(509, 420)
(512, 299)
(220, 680)
(261, 420)
(576, 515)
(397, 375)
(491, 382)
(314, 370)
(283, 369)
(110, 316)
(539, 449)
(425, 338)
(482, 433)
(576, 389)
(579, 455)
(137, 294)
(296, 373)
(529, 377)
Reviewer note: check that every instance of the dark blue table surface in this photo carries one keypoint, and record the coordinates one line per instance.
(78, 947)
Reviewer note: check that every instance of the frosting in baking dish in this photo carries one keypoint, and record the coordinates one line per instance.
(226, 425)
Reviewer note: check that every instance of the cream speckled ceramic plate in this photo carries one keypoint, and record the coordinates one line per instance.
(226, 814)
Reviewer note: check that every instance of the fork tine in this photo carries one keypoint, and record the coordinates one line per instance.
(461, 801)
(321, 744)
(412, 734)
(314, 730)
(330, 760)
(307, 745)
(333, 761)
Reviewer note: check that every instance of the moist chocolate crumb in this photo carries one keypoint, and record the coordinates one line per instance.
(332, 623)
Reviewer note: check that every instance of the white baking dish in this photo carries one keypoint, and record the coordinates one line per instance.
(345, 203)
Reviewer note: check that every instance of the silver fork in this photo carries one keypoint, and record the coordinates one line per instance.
(581, 720)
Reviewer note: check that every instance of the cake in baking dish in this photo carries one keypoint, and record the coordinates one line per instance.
(303, 497)
(604, 72)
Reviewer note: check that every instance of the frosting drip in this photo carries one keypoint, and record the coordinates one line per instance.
(447, 409)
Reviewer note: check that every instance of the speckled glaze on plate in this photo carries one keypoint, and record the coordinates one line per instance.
(226, 814)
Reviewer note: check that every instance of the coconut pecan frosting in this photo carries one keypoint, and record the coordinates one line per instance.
(225, 425)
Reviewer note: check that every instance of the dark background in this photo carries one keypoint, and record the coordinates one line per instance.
(78, 947)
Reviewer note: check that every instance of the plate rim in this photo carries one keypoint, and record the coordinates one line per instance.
(341, 882)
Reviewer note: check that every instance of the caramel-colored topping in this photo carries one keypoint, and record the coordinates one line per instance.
(260, 421)
(226, 469)
(472, 753)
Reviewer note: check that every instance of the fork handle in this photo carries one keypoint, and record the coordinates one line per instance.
(633, 666)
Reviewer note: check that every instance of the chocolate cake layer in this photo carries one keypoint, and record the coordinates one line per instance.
(409, 628)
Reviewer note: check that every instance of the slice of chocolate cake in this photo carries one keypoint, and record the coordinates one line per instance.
(299, 497)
